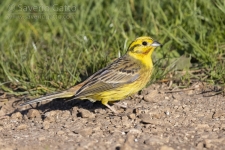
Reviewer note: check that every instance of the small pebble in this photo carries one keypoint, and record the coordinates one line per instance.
(129, 142)
(66, 114)
(22, 127)
(132, 116)
(152, 141)
(146, 118)
(33, 113)
(60, 132)
(84, 132)
(151, 96)
(164, 147)
(218, 114)
(86, 113)
(42, 138)
(17, 115)
(46, 125)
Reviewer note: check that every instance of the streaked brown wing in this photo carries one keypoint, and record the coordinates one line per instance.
(120, 72)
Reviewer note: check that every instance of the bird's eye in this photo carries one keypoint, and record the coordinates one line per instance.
(144, 43)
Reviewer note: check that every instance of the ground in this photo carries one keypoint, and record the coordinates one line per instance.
(156, 118)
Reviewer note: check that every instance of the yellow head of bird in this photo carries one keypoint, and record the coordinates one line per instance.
(141, 49)
(143, 46)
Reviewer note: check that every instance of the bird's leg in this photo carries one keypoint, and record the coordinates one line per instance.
(112, 108)
(122, 105)
(104, 102)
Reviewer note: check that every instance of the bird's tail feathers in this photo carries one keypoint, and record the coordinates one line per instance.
(63, 94)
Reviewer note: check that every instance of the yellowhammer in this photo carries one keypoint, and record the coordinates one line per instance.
(125, 76)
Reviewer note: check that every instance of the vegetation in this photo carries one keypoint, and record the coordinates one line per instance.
(52, 45)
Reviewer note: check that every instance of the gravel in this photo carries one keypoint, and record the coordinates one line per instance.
(155, 119)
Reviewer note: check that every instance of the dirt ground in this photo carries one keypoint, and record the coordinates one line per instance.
(156, 118)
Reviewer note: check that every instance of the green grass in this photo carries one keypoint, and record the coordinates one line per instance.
(60, 48)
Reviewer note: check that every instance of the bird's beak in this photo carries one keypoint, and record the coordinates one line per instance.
(156, 44)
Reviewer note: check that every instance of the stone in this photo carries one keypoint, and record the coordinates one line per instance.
(22, 127)
(66, 114)
(132, 116)
(86, 113)
(33, 113)
(165, 147)
(146, 118)
(84, 132)
(152, 141)
(17, 115)
(60, 132)
(151, 96)
(129, 142)
(46, 125)
(218, 114)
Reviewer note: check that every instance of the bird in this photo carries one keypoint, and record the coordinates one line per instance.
(124, 77)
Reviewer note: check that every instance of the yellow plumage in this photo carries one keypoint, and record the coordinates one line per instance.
(125, 76)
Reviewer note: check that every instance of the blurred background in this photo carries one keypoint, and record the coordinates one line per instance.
(52, 45)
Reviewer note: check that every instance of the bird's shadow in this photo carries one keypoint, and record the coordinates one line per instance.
(58, 104)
